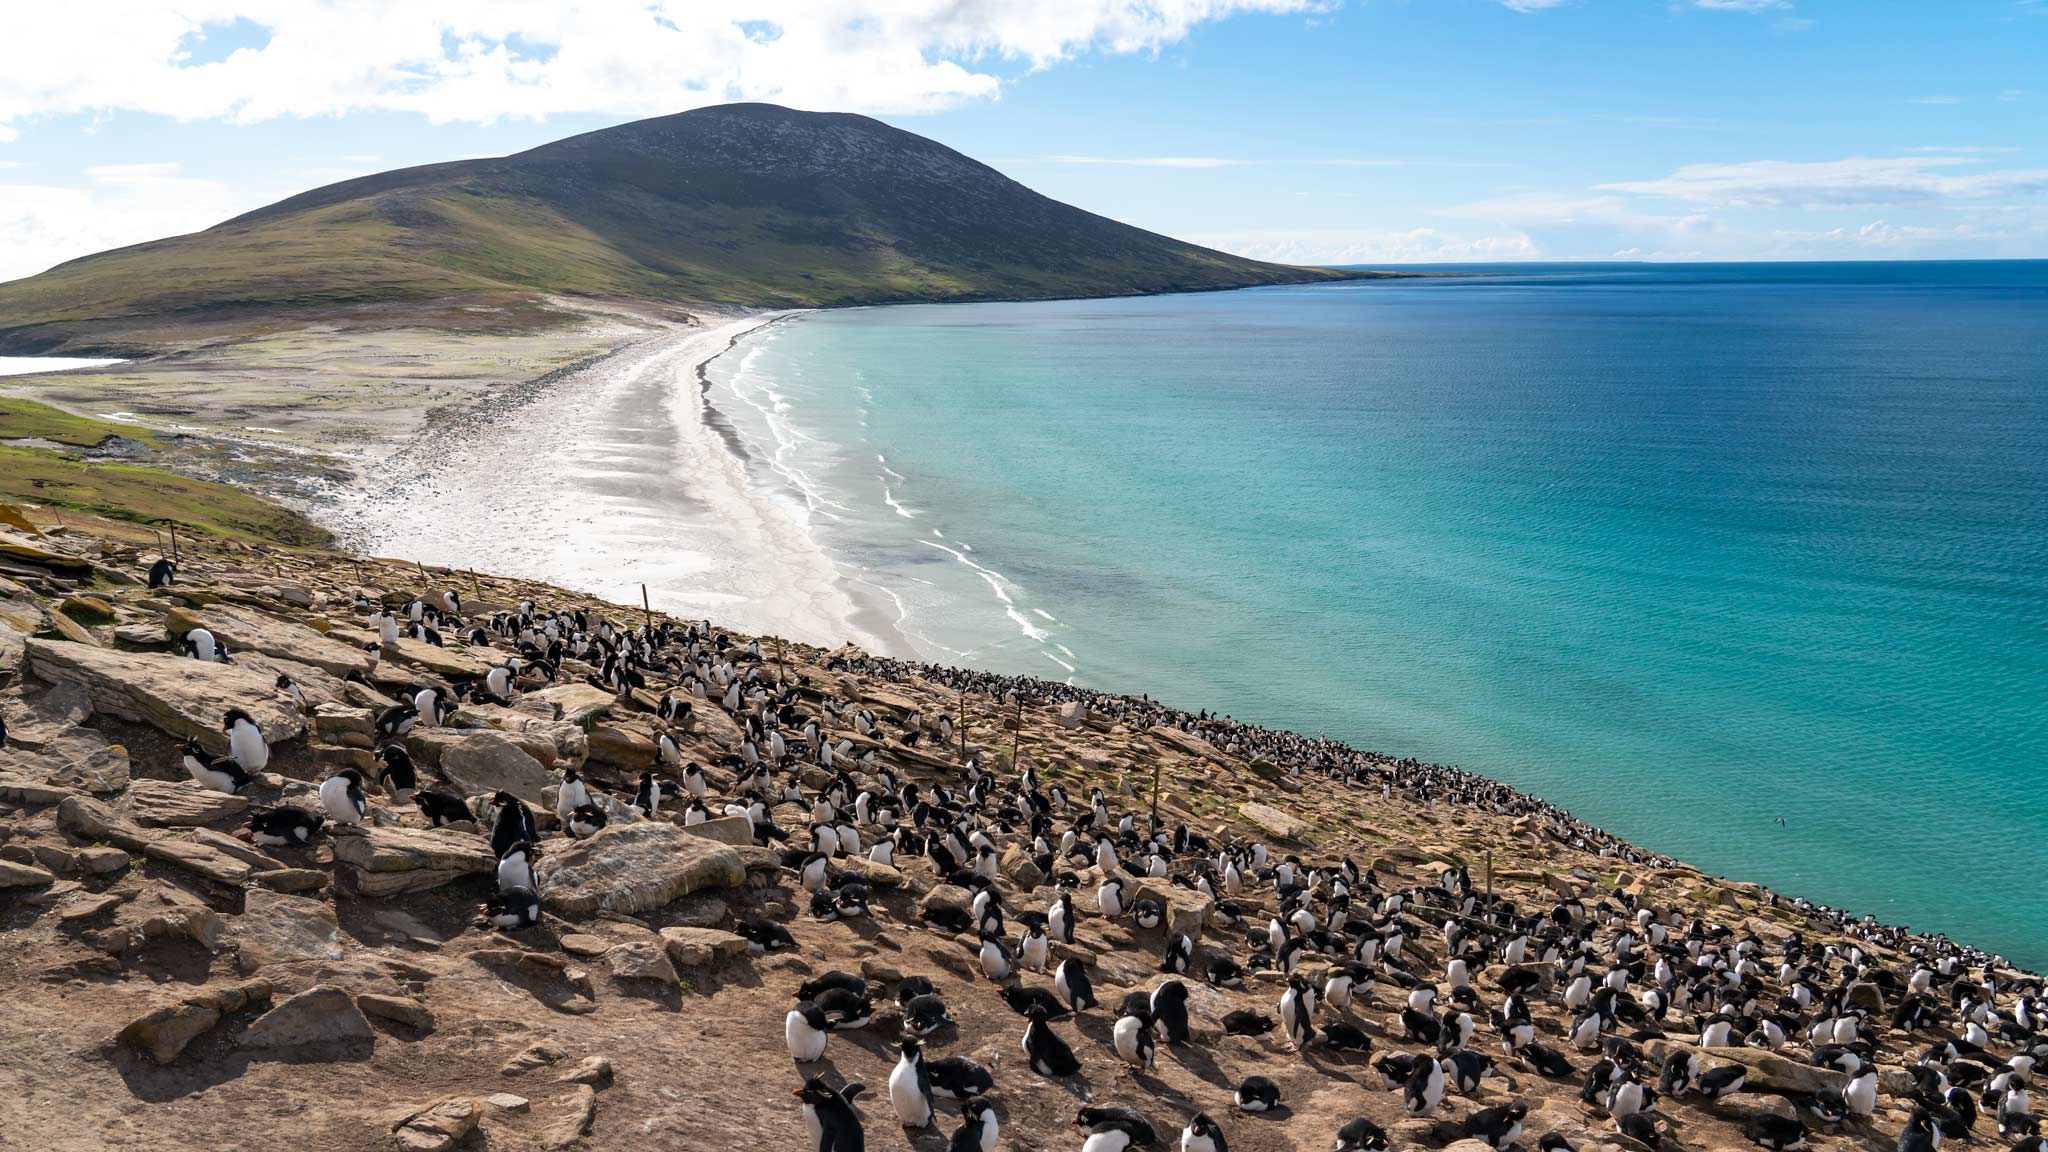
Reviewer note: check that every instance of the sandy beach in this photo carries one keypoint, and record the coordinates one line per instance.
(618, 474)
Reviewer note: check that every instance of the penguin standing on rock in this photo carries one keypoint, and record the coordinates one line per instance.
(513, 909)
(245, 740)
(342, 795)
(162, 572)
(218, 773)
(511, 824)
(398, 775)
(284, 827)
(204, 646)
(515, 868)
(1070, 980)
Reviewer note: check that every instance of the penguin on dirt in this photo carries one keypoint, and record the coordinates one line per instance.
(829, 1116)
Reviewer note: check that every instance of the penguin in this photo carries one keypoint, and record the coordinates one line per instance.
(1070, 980)
(1034, 950)
(515, 868)
(1547, 1061)
(1499, 1126)
(342, 795)
(1132, 1039)
(1861, 1092)
(163, 572)
(511, 823)
(1110, 898)
(1297, 1010)
(203, 646)
(1180, 952)
(1466, 1069)
(398, 775)
(217, 773)
(806, 1030)
(518, 908)
(829, 1116)
(1114, 1129)
(1361, 1135)
(845, 1009)
(1047, 1054)
(1146, 913)
(290, 687)
(958, 1078)
(647, 798)
(925, 1014)
(1257, 1094)
(245, 740)
(440, 808)
(1059, 917)
(1726, 1080)
(910, 1086)
(995, 957)
(1169, 1009)
(978, 1129)
(1775, 1132)
(1245, 1022)
(431, 703)
(1202, 1135)
(396, 721)
(572, 794)
(1425, 1088)
(284, 827)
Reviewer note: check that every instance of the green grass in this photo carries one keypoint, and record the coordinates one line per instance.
(26, 419)
(148, 496)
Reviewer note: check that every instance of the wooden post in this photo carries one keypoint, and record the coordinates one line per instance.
(175, 559)
(1489, 876)
(963, 725)
(647, 607)
(1155, 792)
(476, 587)
(1017, 734)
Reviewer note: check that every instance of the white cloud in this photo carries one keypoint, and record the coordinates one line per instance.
(118, 204)
(1362, 246)
(1856, 180)
(483, 60)
(1549, 210)
(1740, 5)
(1941, 100)
(1531, 5)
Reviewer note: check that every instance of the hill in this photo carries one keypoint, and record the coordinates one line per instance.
(741, 204)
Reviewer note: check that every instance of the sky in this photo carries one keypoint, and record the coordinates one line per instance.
(1328, 131)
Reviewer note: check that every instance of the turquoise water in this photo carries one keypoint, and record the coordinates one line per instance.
(1686, 549)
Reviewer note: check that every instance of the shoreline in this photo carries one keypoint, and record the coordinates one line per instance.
(642, 486)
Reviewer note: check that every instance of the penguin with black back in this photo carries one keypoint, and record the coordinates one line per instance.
(829, 1116)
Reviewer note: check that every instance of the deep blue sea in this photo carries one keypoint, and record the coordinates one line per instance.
(1684, 548)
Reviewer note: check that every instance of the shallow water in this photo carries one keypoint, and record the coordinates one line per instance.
(26, 365)
(1687, 549)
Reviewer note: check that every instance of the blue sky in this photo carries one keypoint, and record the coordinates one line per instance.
(1374, 131)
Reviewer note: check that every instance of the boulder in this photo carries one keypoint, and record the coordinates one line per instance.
(734, 830)
(1186, 743)
(274, 928)
(491, 762)
(1022, 870)
(620, 748)
(693, 948)
(589, 1070)
(181, 696)
(382, 861)
(163, 1032)
(578, 702)
(1187, 911)
(447, 663)
(641, 960)
(573, 1117)
(322, 1014)
(246, 630)
(1768, 1071)
(13, 875)
(397, 1009)
(876, 875)
(200, 860)
(1273, 822)
(633, 868)
(175, 804)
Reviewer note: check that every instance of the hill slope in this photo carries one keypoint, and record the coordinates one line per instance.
(745, 204)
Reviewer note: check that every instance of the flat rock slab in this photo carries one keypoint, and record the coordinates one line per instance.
(249, 631)
(487, 761)
(1275, 823)
(633, 868)
(172, 804)
(691, 948)
(178, 695)
(275, 928)
(382, 861)
(447, 663)
(734, 830)
(576, 703)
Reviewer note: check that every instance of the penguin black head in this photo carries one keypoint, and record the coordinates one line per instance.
(235, 716)
(354, 778)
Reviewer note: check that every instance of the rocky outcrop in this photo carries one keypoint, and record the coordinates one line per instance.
(246, 630)
(162, 1033)
(695, 948)
(275, 928)
(323, 1014)
(181, 696)
(633, 868)
(385, 861)
(1275, 823)
(491, 762)
(438, 1126)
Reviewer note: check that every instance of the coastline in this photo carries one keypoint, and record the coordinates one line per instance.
(639, 477)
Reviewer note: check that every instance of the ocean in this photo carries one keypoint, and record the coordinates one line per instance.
(1745, 563)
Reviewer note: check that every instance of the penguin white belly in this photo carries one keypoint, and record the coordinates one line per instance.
(335, 798)
(805, 1045)
(911, 1106)
(245, 744)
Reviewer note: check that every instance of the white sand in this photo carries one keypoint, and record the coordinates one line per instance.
(613, 478)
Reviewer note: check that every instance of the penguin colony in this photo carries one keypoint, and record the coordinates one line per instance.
(1435, 991)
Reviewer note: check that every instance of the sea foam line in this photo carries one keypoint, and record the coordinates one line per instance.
(995, 581)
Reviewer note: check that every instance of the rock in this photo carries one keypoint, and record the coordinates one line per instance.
(1022, 870)
(164, 1032)
(181, 696)
(589, 1070)
(1273, 822)
(576, 1114)
(1190, 744)
(274, 929)
(695, 948)
(1768, 1072)
(14, 875)
(507, 1102)
(169, 804)
(246, 630)
(641, 960)
(1187, 911)
(439, 1126)
(1072, 714)
(100, 861)
(632, 868)
(490, 762)
(199, 860)
(531, 1057)
(948, 896)
(290, 879)
(322, 1014)
(397, 1009)
(382, 861)
(576, 703)
(877, 875)
(734, 830)
(699, 910)
(620, 748)
(577, 944)
(447, 663)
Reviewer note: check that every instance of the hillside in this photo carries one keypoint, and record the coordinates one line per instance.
(171, 983)
(742, 204)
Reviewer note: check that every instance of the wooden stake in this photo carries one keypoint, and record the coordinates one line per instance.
(1155, 793)
(647, 607)
(1017, 734)
(175, 558)
(1489, 876)
(963, 726)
